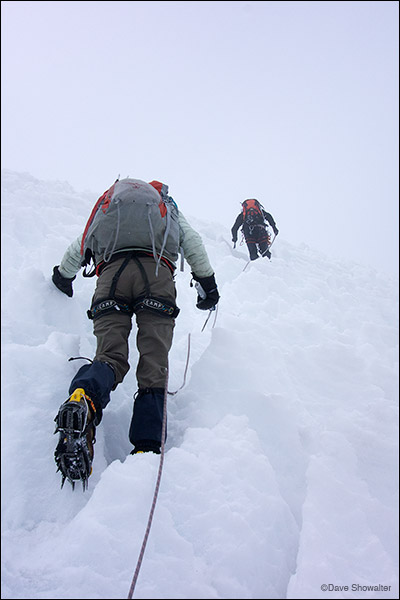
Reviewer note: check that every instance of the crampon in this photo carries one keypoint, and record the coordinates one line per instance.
(74, 451)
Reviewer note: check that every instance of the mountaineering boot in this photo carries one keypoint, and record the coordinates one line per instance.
(76, 425)
(147, 446)
(147, 420)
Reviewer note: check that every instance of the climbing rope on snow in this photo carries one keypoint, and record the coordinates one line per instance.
(157, 487)
(188, 350)
(153, 504)
(186, 368)
(80, 358)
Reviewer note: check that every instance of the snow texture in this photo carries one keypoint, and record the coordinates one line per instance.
(280, 472)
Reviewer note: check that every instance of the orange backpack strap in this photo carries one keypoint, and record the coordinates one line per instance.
(162, 189)
(105, 199)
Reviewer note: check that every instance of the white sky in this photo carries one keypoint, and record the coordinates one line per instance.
(294, 103)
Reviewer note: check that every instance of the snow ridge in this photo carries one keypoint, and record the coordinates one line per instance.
(280, 473)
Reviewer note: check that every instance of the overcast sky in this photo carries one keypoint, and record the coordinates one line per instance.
(293, 103)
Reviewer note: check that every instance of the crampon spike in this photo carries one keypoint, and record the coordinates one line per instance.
(72, 455)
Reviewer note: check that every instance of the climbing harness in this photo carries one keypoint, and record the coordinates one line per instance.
(145, 302)
(249, 261)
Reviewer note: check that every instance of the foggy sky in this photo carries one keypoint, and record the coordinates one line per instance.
(293, 103)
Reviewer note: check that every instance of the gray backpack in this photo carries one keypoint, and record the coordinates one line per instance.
(132, 215)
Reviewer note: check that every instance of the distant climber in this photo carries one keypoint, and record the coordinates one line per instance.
(252, 220)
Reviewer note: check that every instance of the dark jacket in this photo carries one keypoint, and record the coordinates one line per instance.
(239, 222)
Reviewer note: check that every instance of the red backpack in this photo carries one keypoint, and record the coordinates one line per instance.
(252, 212)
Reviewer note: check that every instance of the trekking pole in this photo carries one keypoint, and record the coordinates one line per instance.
(246, 265)
(208, 318)
(216, 315)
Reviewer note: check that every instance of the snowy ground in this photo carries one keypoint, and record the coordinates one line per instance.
(280, 473)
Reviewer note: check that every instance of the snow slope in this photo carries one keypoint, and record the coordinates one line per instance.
(280, 473)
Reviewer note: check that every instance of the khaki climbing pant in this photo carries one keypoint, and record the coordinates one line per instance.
(154, 328)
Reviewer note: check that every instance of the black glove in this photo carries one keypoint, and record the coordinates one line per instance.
(209, 290)
(62, 283)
